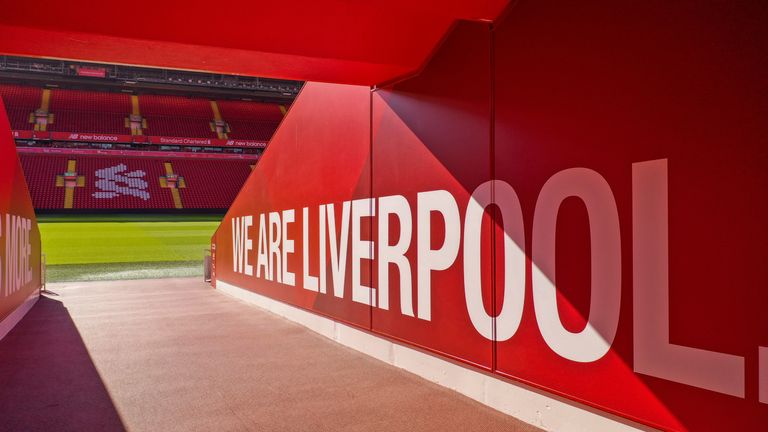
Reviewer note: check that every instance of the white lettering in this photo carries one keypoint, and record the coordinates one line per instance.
(247, 244)
(594, 341)
(16, 257)
(338, 253)
(237, 257)
(310, 282)
(261, 254)
(274, 247)
(654, 354)
(395, 254)
(511, 312)
(361, 249)
(429, 260)
(289, 278)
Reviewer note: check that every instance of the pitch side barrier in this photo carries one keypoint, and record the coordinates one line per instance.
(575, 212)
(20, 268)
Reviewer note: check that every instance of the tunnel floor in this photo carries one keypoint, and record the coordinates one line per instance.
(176, 355)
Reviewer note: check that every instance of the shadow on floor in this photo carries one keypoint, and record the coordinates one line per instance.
(47, 378)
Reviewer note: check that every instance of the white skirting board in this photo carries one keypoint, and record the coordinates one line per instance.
(530, 405)
(14, 317)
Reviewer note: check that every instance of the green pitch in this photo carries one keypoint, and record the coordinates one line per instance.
(111, 247)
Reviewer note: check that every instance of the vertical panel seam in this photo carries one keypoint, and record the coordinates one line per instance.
(494, 213)
(372, 209)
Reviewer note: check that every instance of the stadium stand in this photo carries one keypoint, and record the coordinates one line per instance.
(125, 183)
(91, 122)
(177, 116)
(131, 183)
(90, 101)
(243, 110)
(179, 127)
(19, 118)
(66, 173)
(211, 183)
(86, 111)
(20, 103)
(41, 172)
(89, 111)
(21, 96)
(240, 117)
(241, 129)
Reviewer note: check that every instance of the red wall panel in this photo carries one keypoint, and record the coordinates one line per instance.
(19, 235)
(602, 166)
(320, 156)
(422, 129)
(603, 86)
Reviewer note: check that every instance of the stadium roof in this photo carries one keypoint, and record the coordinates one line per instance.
(356, 42)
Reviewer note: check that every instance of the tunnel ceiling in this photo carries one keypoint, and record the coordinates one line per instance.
(343, 41)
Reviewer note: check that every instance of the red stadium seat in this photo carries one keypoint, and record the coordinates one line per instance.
(177, 116)
(244, 110)
(256, 130)
(21, 96)
(84, 111)
(20, 102)
(85, 101)
(89, 111)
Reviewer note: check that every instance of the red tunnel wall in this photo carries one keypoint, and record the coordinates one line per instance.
(16, 211)
(588, 112)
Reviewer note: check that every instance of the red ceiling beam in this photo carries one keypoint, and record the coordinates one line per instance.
(365, 42)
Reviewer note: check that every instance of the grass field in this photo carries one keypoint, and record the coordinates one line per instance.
(110, 247)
